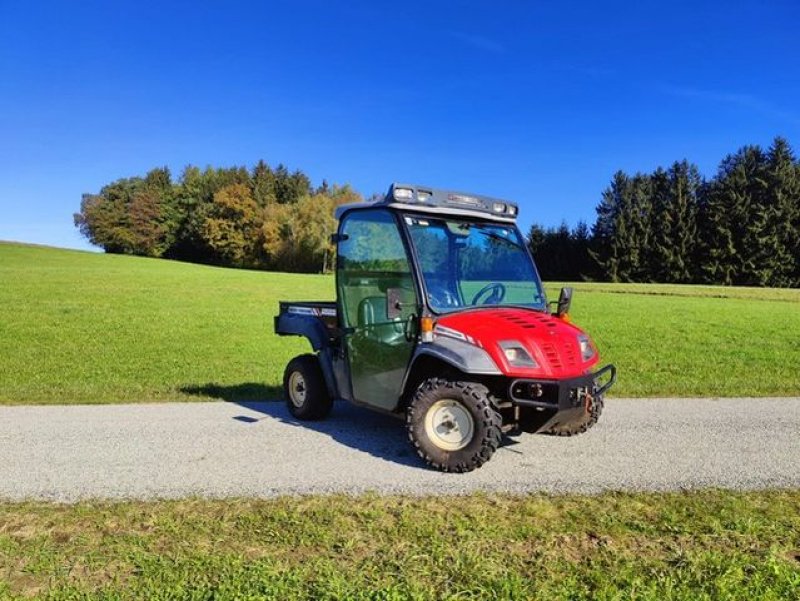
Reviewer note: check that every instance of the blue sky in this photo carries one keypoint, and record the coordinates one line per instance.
(538, 102)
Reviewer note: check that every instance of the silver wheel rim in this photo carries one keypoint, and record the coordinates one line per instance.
(449, 425)
(297, 389)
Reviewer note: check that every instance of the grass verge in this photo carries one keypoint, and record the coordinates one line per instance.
(698, 545)
(78, 327)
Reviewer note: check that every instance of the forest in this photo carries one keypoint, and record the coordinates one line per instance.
(674, 226)
(259, 218)
(740, 227)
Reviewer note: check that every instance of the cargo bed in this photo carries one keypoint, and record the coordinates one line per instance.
(293, 313)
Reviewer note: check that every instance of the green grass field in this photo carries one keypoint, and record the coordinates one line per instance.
(78, 327)
(81, 327)
(692, 546)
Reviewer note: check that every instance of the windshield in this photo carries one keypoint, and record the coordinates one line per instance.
(468, 264)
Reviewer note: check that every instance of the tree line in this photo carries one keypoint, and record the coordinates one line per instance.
(672, 225)
(262, 218)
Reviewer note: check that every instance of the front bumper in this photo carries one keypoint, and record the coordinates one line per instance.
(562, 395)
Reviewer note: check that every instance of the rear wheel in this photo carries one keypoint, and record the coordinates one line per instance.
(453, 425)
(582, 424)
(304, 386)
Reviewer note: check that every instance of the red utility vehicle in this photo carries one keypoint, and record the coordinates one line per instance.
(441, 318)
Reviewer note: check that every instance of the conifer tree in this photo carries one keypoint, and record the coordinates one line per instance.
(730, 221)
(622, 231)
(536, 236)
(673, 237)
(778, 259)
(604, 250)
(581, 261)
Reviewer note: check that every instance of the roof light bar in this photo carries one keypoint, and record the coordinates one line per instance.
(442, 199)
(403, 194)
(463, 200)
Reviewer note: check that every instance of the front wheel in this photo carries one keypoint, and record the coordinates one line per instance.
(453, 425)
(304, 386)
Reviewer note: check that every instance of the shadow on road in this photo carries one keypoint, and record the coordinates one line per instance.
(247, 391)
(379, 435)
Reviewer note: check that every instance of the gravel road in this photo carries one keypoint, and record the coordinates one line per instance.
(257, 449)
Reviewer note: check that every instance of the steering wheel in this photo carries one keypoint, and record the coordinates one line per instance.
(494, 292)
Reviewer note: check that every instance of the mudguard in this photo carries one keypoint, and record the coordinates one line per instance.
(465, 357)
(312, 328)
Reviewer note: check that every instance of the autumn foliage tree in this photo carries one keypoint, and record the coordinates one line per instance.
(297, 236)
(231, 227)
(262, 218)
(133, 215)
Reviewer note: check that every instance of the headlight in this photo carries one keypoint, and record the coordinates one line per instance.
(587, 350)
(516, 354)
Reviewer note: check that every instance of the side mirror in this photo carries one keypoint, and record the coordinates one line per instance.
(564, 302)
(394, 306)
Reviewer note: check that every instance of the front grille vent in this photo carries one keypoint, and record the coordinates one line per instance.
(570, 356)
(552, 356)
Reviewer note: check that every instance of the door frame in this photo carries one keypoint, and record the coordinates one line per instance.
(349, 330)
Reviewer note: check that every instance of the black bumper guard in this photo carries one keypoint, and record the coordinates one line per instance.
(561, 395)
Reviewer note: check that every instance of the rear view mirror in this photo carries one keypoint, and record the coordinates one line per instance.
(564, 301)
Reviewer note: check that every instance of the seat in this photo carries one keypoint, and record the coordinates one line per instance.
(374, 323)
(371, 311)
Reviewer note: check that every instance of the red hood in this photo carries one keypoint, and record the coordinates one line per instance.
(551, 341)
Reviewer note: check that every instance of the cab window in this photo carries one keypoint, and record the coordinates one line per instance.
(371, 260)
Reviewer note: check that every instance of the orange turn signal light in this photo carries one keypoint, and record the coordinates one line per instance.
(426, 324)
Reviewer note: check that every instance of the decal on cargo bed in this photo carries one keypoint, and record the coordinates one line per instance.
(315, 311)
